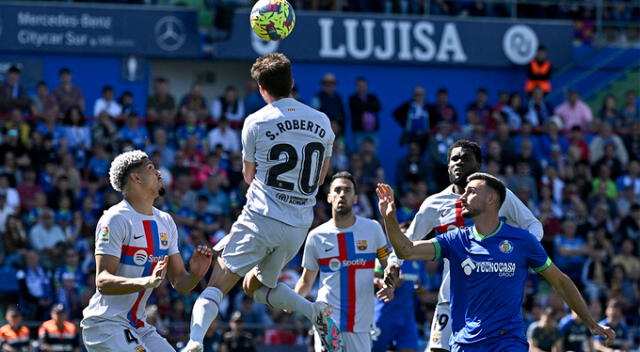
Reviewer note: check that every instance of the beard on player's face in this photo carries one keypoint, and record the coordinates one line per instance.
(343, 209)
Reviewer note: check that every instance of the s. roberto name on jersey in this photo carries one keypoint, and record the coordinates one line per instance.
(296, 125)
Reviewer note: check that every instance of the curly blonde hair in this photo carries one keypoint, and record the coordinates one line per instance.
(122, 165)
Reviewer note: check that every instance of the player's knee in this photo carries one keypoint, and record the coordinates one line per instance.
(250, 284)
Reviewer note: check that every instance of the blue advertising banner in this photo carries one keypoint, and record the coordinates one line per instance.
(87, 29)
(405, 40)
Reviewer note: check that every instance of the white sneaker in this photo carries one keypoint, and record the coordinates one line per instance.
(328, 330)
(193, 346)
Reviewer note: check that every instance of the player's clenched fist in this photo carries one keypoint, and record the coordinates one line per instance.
(386, 203)
(201, 260)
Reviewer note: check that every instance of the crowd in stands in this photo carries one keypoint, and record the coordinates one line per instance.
(576, 169)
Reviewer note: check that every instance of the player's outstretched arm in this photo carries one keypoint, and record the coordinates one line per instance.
(404, 248)
(184, 281)
(108, 283)
(569, 292)
(305, 282)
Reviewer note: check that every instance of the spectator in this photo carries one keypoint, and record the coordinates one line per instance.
(161, 145)
(68, 294)
(43, 102)
(218, 198)
(35, 286)
(595, 271)
(134, 132)
(228, 106)
(628, 259)
(161, 105)
(609, 112)
(479, 111)
(411, 168)
(606, 136)
(503, 100)
(68, 95)
(630, 225)
(5, 212)
(14, 337)
(442, 140)
(513, 112)
(12, 93)
(632, 139)
(631, 109)
(364, 107)
(13, 197)
(631, 178)
(16, 122)
(574, 112)
(443, 111)
(413, 117)
(523, 179)
(371, 165)
(544, 335)
(45, 235)
(570, 250)
(236, 339)
(539, 111)
(28, 187)
(224, 136)
(126, 102)
(51, 127)
(252, 99)
(539, 72)
(576, 336)
(553, 139)
(107, 104)
(213, 338)
(329, 101)
(58, 334)
(194, 102)
(76, 133)
(190, 128)
(16, 241)
(615, 320)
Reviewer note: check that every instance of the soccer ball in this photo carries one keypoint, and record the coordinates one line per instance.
(272, 19)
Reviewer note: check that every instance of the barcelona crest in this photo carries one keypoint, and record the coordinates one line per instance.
(141, 348)
(361, 245)
(164, 240)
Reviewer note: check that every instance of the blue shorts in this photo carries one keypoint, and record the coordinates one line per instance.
(500, 344)
(403, 332)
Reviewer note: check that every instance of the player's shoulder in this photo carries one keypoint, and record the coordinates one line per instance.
(162, 215)
(327, 227)
(516, 232)
(441, 198)
(5, 328)
(368, 223)
(120, 211)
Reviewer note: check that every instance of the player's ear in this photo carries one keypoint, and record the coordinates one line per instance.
(293, 83)
(355, 199)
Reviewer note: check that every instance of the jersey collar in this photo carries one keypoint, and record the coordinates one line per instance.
(481, 237)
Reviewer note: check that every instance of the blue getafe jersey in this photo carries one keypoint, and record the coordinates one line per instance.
(402, 305)
(488, 275)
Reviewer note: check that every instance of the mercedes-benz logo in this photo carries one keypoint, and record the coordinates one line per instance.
(170, 33)
(520, 43)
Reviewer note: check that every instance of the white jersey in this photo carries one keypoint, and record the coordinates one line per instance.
(139, 241)
(346, 261)
(288, 141)
(442, 212)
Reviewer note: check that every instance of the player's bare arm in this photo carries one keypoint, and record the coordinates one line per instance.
(184, 281)
(305, 282)
(404, 248)
(108, 283)
(248, 171)
(569, 292)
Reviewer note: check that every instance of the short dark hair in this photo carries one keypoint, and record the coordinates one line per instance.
(273, 73)
(348, 176)
(107, 88)
(443, 91)
(466, 144)
(14, 69)
(64, 70)
(493, 182)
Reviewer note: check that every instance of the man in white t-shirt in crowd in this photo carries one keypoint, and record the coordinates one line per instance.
(344, 250)
(136, 246)
(286, 149)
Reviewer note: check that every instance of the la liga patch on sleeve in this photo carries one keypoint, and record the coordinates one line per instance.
(104, 234)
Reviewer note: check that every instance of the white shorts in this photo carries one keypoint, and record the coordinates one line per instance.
(113, 336)
(440, 328)
(351, 342)
(263, 244)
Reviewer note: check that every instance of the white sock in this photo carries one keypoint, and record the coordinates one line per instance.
(284, 298)
(205, 310)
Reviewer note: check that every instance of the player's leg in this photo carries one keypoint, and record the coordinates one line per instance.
(108, 337)
(441, 323)
(243, 249)
(407, 336)
(386, 332)
(153, 340)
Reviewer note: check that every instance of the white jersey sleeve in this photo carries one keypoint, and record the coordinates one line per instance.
(111, 231)
(518, 215)
(173, 238)
(424, 221)
(310, 257)
(249, 142)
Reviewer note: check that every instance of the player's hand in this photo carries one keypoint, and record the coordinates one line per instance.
(604, 332)
(385, 294)
(200, 260)
(158, 273)
(392, 275)
(386, 202)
